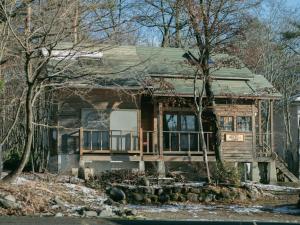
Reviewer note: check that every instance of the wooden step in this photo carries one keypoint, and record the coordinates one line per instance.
(282, 167)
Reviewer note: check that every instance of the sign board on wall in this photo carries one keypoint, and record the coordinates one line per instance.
(234, 137)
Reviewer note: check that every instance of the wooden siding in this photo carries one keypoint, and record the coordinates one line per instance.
(238, 151)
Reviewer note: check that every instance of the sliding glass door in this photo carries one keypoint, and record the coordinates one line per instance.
(180, 132)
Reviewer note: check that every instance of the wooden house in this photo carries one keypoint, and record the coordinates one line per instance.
(139, 109)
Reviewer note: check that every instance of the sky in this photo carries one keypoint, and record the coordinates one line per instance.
(295, 3)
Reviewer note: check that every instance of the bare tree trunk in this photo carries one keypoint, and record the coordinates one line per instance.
(177, 27)
(199, 108)
(203, 146)
(29, 136)
(1, 165)
(75, 23)
(211, 109)
(166, 38)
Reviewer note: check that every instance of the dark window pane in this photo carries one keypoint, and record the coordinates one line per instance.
(244, 123)
(87, 140)
(170, 122)
(226, 123)
(188, 123)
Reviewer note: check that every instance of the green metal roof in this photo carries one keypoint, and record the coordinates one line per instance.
(131, 65)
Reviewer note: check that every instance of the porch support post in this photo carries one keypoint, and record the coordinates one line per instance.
(160, 129)
(142, 166)
(161, 168)
(255, 172)
(272, 126)
(272, 175)
(155, 125)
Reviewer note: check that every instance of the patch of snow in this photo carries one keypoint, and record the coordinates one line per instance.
(71, 54)
(240, 209)
(20, 181)
(271, 187)
(83, 189)
(190, 184)
(173, 208)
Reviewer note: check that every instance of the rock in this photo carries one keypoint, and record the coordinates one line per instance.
(46, 214)
(254, 194)
(195, 190)
(8, 204)
(90, 214)
(59, 202)
(209, 198)
(55, 207)
(192, 197)
(181, 198)
(164, 198)
(176, 189)
(242, 196)
(147, 190)
(168, 190)
(225, 194)
(154, 198)
(10, 198)
(184, 190)
(158, 191)
(174, 197)
(107, 212)
(138, 197)
(130, 212)
(144, 181)
(59, 215)
(147, 201)
(117, 194)
(109, 201)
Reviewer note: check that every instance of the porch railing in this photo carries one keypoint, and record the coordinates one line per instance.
(108, 140)
(148, 142)
(175, 142)
(263, 145)
(185, 141)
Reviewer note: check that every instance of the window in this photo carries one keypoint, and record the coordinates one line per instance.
(96, 122)
(179, 131)
(226, 123)
(243, 123)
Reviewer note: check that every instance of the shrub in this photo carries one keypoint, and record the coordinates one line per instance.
(226, 174)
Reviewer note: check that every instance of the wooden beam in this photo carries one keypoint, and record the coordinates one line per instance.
(160, 129)
(253, 132)
(141, 143)
(259, 122)
(81, 141)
